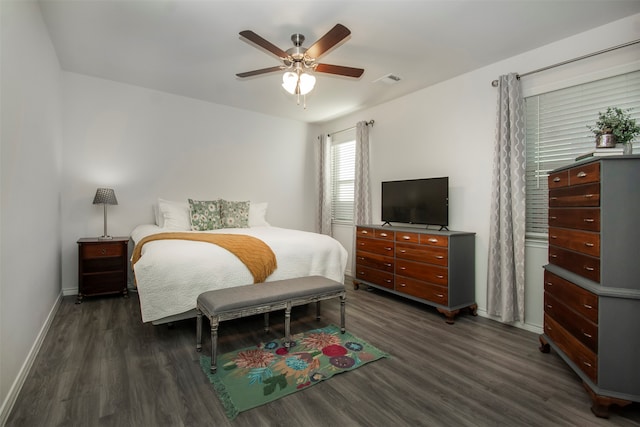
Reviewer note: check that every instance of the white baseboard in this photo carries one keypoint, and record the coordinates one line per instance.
(521, 325)
(12, 396)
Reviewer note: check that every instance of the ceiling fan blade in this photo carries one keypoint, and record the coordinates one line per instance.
(340, 70)
(259, 41)
(258, 72)
(328, 41)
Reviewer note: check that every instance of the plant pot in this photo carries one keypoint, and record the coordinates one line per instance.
(605, 140)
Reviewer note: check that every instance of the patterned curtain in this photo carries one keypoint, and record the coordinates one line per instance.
(505, 278)
(362, 187)
(324, 200)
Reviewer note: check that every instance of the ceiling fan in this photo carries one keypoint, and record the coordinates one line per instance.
(298, 61)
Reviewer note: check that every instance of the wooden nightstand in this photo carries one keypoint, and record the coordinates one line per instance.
(102, 266)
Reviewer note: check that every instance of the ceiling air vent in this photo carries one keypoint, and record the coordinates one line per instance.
(389, 79)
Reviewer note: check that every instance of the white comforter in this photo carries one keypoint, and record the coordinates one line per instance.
(171, 274)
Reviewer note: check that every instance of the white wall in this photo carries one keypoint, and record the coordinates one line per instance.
(448, 130)
(148, 144)
(30, 192)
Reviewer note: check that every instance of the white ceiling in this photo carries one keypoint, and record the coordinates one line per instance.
(192, 48)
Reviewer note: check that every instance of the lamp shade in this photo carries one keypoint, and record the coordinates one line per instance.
(307, 82)
(105, 196)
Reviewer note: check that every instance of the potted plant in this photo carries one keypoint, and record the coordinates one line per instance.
(615, 126)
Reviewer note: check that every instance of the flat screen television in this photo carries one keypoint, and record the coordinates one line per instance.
(416, 201)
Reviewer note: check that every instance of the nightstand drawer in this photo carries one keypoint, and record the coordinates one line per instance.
(104, 283)
(102, 250)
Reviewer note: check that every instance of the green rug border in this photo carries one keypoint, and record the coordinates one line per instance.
(227, 402)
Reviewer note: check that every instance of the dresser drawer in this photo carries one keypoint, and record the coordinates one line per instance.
(434, 240)
(382, 247)
(402, 236)
(104, 283)
(99, 250)
(419, 289)
(575, 262)
(377, 277)
(581, 328)
(578, 299)
(425, 272)
(384, 234)
(579, 196)
(578, 218)
(585, 242)
(365, 232)
(428, 254)
(585, 359)
(584, 174)
(373, 260)
(558, 179)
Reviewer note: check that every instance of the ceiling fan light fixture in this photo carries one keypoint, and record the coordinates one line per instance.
(290, 82)
(307, 83)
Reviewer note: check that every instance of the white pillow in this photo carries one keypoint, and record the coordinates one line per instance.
(257, 214)
(175, 215)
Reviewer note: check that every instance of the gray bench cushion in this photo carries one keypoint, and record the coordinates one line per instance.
(231, 299)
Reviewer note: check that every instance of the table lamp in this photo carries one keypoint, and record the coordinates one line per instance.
(105, 196)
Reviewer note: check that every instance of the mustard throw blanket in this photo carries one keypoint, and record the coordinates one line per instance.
(253, 252)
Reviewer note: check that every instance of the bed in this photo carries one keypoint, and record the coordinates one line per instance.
(170, 274)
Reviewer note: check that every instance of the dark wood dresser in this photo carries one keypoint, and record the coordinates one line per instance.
(592, 281)
(433, 267)
(102, 266)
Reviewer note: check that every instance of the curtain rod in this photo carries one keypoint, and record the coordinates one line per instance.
(495, 82)
(369, 123)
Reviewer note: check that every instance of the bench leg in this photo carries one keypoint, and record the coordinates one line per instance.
(214, 343)
(198, 330)
(266, 322)
(343, 300)
(287, 325)
(317, 310)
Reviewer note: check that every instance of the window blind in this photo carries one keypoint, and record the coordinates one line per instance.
(557, 133)
(343, 161)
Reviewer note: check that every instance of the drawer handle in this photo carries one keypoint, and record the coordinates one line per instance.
(383, 234)
(553, 217)
(403, 268)
(361, 258)
(588, 196)
(388, 280)
(553, 198)
(364, 232)
(587, 335)
(388, 249)
(402, 251)
(581, 174)
(440, 295)
(403, 285)
(587, 364)
(439, 257)
(556, 179)
(549, 284)
(554, 237)
(361, 243)
(433, 240)
(553, 256)
(589, 220)
(587, 306)
(387, 264)
(586, 267)
(549, 306)
(589, 245)
(406, 237)
(103, 251)
(440, 276)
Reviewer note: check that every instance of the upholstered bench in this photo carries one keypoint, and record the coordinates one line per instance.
(241, 301)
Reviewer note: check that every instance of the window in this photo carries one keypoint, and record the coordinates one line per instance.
(557, 133)
(343, 163)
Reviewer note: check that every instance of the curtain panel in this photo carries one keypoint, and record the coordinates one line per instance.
(505, 277)
(323, 215)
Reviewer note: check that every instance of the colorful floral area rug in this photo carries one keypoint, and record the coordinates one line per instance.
(257, 375)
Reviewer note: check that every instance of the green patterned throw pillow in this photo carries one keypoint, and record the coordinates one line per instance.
(234, 214)
(205, 215)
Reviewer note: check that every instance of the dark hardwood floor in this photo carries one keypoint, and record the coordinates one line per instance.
(100, 366)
